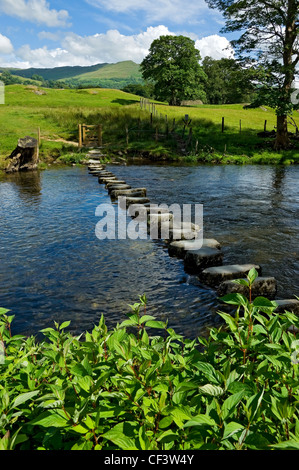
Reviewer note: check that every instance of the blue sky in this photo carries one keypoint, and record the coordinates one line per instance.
(52, 33)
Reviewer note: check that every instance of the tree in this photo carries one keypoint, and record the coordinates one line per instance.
(227, 81)
(269, 40)
(173, 66)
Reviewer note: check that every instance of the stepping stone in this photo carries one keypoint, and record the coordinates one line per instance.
(289, 305)
(182, 234)
(117, 186)
(136, 210)
(158, 219)
(215, 275)
(106, 179)
(95, 168)
(178, 248)
(93, 162)
(115, 183)
(136, 200)
(195, 261)
(262, 286)
(105, 173)
(129, 192)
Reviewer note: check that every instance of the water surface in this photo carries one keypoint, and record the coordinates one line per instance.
(53, 267)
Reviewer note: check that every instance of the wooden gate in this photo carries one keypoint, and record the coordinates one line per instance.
(90, 135)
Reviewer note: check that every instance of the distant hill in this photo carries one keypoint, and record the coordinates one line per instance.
(105, 75)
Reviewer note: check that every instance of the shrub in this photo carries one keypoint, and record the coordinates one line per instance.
(131, 389)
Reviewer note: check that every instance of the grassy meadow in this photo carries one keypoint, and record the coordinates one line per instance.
(58, 112)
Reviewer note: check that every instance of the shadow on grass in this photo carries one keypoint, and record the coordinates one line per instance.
(124, 102)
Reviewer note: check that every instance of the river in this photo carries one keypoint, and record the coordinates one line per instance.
(54, 268)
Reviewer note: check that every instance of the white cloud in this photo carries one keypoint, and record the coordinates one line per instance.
(36, 11)
(6, 46)
(214, 46)
(109, 47)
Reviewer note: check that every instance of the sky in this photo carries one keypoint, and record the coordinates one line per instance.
(56, 33)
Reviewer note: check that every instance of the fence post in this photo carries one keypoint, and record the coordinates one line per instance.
(240, 127)
(222, 128)
(265, 126)
(127, 135)
(80, 135)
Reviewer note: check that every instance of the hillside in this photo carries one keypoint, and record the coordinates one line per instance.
(104, 75)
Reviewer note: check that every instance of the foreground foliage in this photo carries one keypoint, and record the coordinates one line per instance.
(124, 389)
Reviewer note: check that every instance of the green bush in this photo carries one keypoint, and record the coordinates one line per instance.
(130, 389)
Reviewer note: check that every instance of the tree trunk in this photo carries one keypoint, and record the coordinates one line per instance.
(282, 140)
(24, 157)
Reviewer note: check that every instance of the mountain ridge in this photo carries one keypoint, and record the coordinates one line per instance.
(106, 75)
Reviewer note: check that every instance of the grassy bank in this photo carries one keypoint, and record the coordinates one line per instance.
(58, 112)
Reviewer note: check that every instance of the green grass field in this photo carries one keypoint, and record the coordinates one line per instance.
(58, 112)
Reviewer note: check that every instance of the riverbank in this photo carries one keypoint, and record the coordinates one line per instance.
(224, 134)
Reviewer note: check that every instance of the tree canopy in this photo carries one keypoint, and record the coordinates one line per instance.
(269, 40)
(227, 81)
(173, 66)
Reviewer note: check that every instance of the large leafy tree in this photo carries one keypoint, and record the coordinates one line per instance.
(227, 82)
(269, 39)
(173, 66)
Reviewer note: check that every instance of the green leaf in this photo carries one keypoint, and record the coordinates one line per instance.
(230, 321)
(230, 404)
(210, 389)
(235, 299)
(209, 372)
(64, 325)
(263, 304)
(145, 318)
(252, 275)
(168, 436)
(122, 435)
(155, 324)
(231, 428)
(287, 445)
(3, 311)
(47, 419)
(241, 282)
(24, 397)
(200, 420)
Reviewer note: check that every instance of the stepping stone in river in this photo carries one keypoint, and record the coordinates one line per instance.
(289, 305)
(262, 286)
(128, 192)
(135, 200)
(214, 275)
(195, 261)
(115, 183)
(107, 179)
(113, 187)
(179, 247)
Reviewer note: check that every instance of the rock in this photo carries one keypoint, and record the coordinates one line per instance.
(25, 156)
(179, 247)
(128, 192)
(183, 233)
(196, 261)
(117, 187)
(106, 179)
(262, 286)
(289, 305)
(114, 183)
(215, 275)
(135, 200)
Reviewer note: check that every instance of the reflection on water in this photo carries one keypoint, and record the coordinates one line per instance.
(52, 266)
